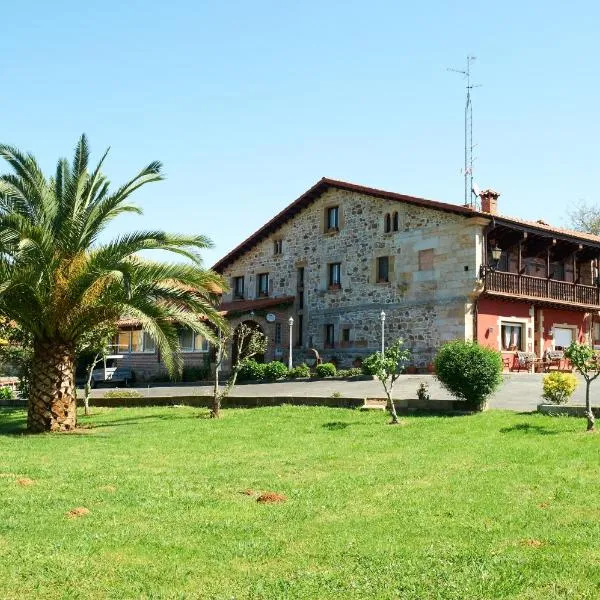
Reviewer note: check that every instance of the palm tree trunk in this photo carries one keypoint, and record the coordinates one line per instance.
(52, 404)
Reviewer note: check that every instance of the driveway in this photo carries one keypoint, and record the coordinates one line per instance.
(519, 392)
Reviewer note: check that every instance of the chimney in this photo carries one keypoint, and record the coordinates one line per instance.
(489, 201)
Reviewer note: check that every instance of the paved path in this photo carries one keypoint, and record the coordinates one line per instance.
(520, 391)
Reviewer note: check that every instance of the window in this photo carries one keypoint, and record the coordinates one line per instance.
(277, 246)
(329, 336)
(149, 344)
(123, 342)
(426, 260)
(387, 227)
(300, 277)
(186, 340)
(300, 300)
(238, 288)
(383, 269)
(137, 341)
(332, 222)
(335, 275)
(563, 337)
(299, 329)
(512, 336)
(278, 333)
(557, 271)
(190, 341)
(200, 343)
(346, 335)
(263, 284)
(395, 221)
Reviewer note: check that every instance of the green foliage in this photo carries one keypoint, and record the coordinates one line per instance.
(195, 373)
(468, 371)
(122, 394)
(389, 364)
(326, 370)
(302, 370)
(559, 387)
(423, 392)
(16, 353)
(251, 370)
(353, 372)
(6, 393)
(583, 358)
(585, 217)
(275, 370)
(60, 281)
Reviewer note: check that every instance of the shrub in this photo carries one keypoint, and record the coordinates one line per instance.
(195, 373)
(349, 372)
(252, 370)
(275, 370)
(302, 370)
(423, 392)
(325, 370)
(6, 393)
(469, 371)
(559, 387)
(122, 394)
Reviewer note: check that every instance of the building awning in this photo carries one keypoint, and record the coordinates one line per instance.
(242, 306)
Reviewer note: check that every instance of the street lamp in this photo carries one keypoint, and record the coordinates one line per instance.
(382, 317)
(496, 256)
(291, 324)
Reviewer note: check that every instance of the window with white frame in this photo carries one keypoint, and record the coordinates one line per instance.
(263, 284)
(191, 341)
(512, 336)
(134, 341)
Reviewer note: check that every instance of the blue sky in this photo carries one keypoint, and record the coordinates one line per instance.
(248, 104)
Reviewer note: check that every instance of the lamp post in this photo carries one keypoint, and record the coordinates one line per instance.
(291, 324)
(382, 317)
(496, 256)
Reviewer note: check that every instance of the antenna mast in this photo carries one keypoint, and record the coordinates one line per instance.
(469, 146)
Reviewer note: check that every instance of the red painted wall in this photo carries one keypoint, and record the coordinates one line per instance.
(553, 316)
(488, 311)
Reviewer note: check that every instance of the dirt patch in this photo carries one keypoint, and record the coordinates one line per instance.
(544, 505)
(25, 481)
(109, 488)
(532, 543)
(75, 513)
(248, 492)
(271, 497)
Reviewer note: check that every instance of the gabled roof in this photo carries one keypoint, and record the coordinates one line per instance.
(325, 183)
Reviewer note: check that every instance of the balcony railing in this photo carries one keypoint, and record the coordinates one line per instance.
(539, 287)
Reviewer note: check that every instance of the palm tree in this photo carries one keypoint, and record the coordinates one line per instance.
(59, 282)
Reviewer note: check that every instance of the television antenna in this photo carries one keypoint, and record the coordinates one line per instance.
(469, 145)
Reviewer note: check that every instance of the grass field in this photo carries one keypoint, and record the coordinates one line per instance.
(495, 505)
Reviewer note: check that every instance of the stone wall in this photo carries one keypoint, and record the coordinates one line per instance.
(425, 307)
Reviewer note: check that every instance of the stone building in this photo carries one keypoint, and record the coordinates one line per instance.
(341, 253)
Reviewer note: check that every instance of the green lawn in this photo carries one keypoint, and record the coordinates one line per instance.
(495, 505)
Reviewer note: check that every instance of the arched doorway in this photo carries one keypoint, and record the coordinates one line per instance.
(234, 353)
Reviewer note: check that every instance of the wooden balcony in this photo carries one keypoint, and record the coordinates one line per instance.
(549, 291)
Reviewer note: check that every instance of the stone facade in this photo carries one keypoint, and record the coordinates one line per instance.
(433, 260)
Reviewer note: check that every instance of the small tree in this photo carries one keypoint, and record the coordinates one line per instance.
(387, 367)
(248, 342)
(96, 345)
(586, 361)
(585, 217)
(469, 371)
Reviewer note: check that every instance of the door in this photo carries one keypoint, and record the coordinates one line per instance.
(563, 337)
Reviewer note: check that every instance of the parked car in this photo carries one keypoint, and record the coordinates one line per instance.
(111, 373)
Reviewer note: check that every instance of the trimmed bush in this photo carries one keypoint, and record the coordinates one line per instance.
(354, 372)
(195, 373)
(559, 387)
(468, 371)
(275, 370)
(252, 370)
(326, 370)
(122, 394)
(302, 370)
